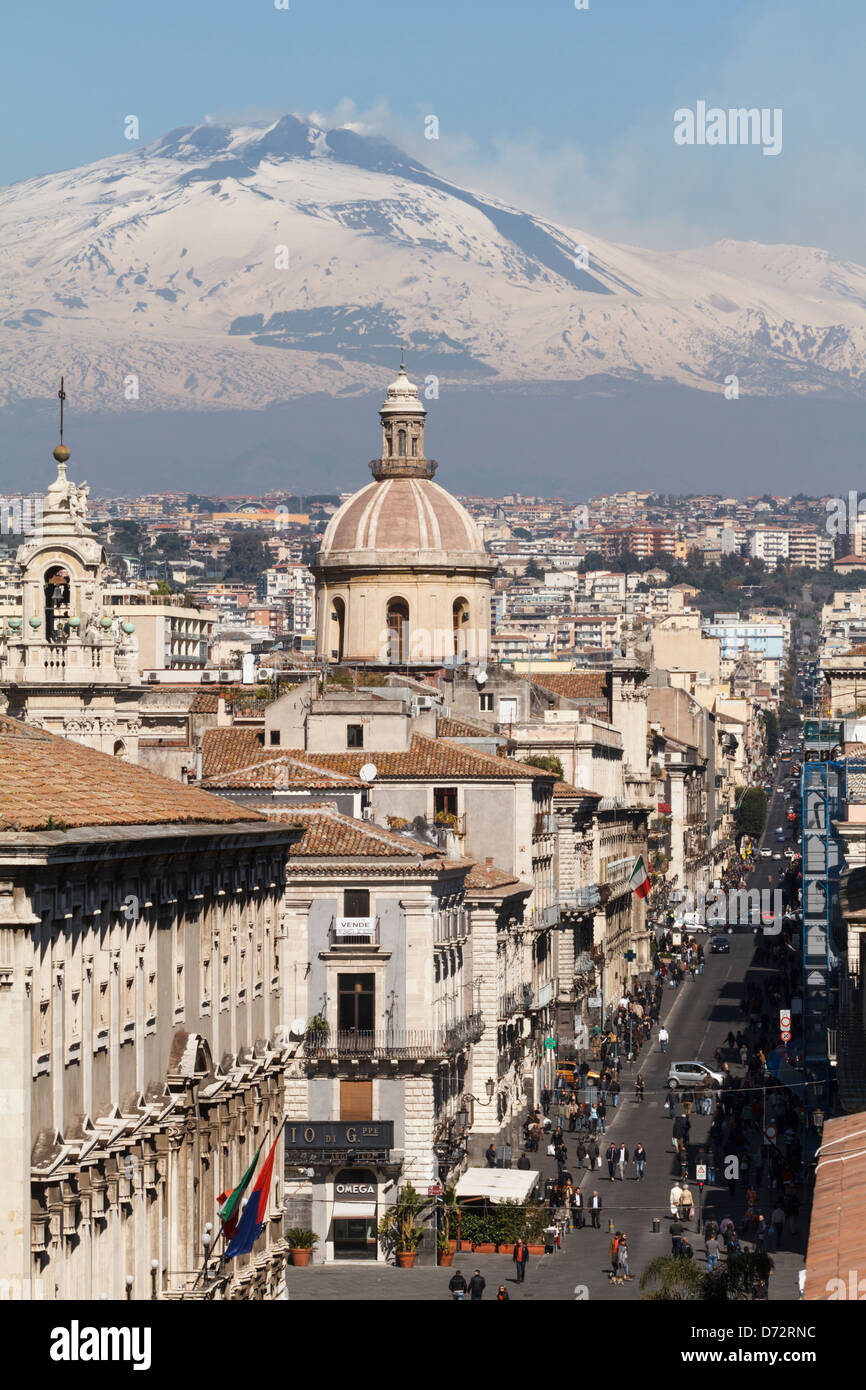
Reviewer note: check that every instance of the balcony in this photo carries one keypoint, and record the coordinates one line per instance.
(353, 931)
(515, 1001)
(451, 926)
(545, 917)
(395, 1044)
(544, 995)
(544, 825)
(581, 899)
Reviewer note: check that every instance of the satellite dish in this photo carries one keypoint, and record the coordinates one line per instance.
(369, 772)
(481, 678)
(298, 1027)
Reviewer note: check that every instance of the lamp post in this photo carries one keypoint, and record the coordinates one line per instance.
(154, 1270)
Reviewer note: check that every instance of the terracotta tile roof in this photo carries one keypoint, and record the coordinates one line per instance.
(575, 685)
(837, 1230)
(330, 834)
(459, 728)
(284, 771)
(430, 757)
(204, 702)
(564, 789)
(225, 750)
(486, 875)
(45, 779)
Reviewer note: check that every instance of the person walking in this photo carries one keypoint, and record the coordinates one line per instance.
(621, 1161)
(613, 1256)
(502, 1294)
(545, 1100)
(622, 1259)
(778, 1221)
(714, 1250)
(520, 1258)
(490, 1155)
(601, 1110)
(638, 1088)
(593, 1154)
(663, 1038)
(477, 1285)
(677, 1231)
(611, 1154)
(577, 1209)
(639, 1162)
(457, 1285)
(595, 1209)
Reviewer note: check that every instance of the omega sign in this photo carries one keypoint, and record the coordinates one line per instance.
(355, 1191)
(331, 1134)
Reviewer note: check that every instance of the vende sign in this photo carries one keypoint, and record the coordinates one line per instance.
(785, 1020)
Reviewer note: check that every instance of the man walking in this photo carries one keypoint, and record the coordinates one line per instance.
(457, 1285)
(477, 1285)
(621, 1161)
(611, 1154)
(677, 1231)
(595, 1210)
(490, 1155)
(663, 1038)
(639, 1162)
(601, 1111)
(713, 1252)
(520, 1258)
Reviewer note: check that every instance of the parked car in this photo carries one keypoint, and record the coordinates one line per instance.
(720, 946)
(692, 1074)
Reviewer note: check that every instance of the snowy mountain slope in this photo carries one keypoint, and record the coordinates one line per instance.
(165, 264)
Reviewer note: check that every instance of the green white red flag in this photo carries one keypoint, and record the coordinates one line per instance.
(639, 879)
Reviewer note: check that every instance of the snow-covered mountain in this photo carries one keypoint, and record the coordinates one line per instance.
(241, 266)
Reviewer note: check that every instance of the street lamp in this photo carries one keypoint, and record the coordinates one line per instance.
(154, 1268)
(130, 1280)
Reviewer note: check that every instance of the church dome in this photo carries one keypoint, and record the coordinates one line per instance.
(403, 516)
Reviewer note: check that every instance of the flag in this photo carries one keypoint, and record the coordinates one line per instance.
(230, 1202)
(639, 879)
(664, 808)
(252, 1222)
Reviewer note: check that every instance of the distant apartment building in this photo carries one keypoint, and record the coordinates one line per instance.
(642, 541)
(770, 545)
(765, 638)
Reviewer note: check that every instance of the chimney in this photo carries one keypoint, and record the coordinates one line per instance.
(488, 863)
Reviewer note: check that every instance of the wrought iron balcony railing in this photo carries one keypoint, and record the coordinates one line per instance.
(395, 1043)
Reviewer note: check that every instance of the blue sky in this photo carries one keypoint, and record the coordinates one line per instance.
(565, 112)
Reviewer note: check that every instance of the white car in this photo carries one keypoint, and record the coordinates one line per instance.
(766, 853)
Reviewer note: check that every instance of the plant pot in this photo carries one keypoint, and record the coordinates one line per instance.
(536, 1249)
(452, 1246)
(486, 1248)
(466, 1247)
(505, 1249)
(405, 1259)
(445, 1257)
(300, 1257)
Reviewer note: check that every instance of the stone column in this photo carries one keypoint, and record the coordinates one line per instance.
(419, 1164)
(484, 1056)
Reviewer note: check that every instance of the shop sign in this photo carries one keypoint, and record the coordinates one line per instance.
(334, 1134)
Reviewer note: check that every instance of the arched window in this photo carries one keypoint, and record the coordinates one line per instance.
(56, 595)
(119, 750)
(460, 623)
(338, 629)
(401, 443)
(398, 630)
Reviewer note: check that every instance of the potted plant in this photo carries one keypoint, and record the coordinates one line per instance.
(301, 1242)
(397, 822)
(487, 1235)
(449, 1220)
(399, 1228)
(444, 1253)
(509, 1220)
(446, 818)
(534, 1223)
(318, 1032)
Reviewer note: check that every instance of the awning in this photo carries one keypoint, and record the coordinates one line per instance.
(348, 1211)
(497, 1184)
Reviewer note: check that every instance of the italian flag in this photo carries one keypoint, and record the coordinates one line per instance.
(639, 879)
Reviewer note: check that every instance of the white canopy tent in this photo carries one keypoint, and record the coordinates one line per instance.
(497, 1184)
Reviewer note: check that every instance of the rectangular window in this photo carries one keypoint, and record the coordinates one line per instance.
(356, 902)
(274, 736)
(485, 700)
(354, 736)
(444, 801)
(356, 998)
(356, 1101)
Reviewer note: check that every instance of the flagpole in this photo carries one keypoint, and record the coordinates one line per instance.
(211, 1253)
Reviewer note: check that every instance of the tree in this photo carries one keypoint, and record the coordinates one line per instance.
(771, 729)
(751, 813)
(593, 561)
(668, 1277)
(547, 762)
(533, 570)
(248, 557)
(172, 546)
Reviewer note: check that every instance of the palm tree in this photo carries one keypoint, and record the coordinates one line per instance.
(671, 1277)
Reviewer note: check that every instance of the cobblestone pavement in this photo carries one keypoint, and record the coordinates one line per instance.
(698, 1015)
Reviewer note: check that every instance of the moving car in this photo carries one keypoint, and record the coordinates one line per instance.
(766, 853)
(720, 946)
(692, 1074)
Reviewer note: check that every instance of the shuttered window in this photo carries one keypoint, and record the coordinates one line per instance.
(356, 1100)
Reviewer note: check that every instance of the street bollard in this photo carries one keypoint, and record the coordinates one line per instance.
(611, 1229)
(657, 1225)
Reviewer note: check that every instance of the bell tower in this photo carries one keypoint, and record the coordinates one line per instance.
(403, 417)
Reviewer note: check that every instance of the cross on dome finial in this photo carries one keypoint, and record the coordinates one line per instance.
(61, 453)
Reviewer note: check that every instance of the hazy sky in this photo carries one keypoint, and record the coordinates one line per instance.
(563, 111)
